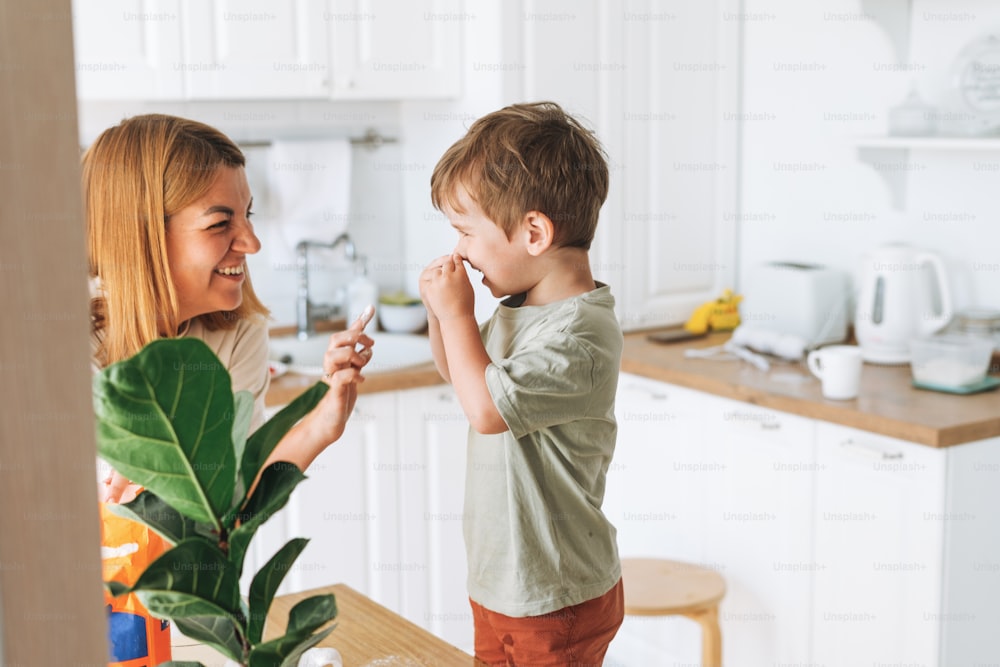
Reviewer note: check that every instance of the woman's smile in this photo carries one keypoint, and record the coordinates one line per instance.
(207, 243)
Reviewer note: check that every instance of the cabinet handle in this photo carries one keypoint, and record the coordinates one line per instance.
(870, 451)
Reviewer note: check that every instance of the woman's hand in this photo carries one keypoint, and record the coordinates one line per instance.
(347, 354)
(116, 489)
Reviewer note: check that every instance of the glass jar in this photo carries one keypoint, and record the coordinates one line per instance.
(980, 322)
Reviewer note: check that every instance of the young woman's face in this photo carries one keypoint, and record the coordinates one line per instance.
(207, 243)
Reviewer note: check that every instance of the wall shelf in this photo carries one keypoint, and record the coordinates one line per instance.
(929, 143)
(890, 157)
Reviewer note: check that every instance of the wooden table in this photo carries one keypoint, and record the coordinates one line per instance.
(368, 633)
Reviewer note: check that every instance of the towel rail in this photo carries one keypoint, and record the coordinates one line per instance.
(371, 140)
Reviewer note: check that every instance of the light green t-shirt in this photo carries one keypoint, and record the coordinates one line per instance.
(535, 535)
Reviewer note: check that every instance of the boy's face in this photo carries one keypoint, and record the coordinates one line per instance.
(505, 263)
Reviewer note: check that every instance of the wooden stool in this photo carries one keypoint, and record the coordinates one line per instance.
(658, 587)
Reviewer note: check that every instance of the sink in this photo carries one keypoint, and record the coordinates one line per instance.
(392, 352)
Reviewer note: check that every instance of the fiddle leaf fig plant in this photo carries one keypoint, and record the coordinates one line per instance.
(168, 420)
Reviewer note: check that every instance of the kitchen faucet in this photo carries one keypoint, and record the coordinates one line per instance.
(306, 312)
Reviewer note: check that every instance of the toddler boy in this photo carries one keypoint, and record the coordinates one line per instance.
(537, 381)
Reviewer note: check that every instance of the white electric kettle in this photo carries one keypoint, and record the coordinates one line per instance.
(904, 294)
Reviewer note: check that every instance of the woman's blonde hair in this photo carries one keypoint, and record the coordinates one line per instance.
(135, 176)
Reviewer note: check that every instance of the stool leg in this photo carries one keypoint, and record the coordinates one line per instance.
(711, 636)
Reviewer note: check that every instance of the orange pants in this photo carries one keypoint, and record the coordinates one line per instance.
(578, 635)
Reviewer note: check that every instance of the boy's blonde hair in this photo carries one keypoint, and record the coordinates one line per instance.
(528, 157)
(135, 176)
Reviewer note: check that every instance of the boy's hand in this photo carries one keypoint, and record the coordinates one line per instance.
(446, 290)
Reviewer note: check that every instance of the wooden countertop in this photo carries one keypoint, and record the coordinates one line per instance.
(887, 403)
(286, 387)
(367, 633)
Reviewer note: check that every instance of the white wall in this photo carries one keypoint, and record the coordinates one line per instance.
(819, 75)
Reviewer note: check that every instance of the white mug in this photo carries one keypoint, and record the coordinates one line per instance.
(839, 369)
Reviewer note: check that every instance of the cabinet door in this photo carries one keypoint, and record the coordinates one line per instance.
(255, 49)
(384, 49)
(654, 493)
(880, 521)
(758, 529)
(347, 508)
(679, 193)
(127, 49)
(436, 433)
(655, 499)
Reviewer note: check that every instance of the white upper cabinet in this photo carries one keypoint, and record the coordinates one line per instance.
(128, 49)
(261, 50)
(255, 49)
(680, 99)
(391, 49)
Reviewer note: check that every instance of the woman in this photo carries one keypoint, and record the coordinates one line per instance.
(168, 222)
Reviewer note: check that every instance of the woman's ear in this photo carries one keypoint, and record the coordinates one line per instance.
(539, 232)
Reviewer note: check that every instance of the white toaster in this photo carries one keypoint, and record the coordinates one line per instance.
(805, 300)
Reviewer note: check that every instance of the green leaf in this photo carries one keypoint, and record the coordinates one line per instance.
(171, 525)
(116, 588)
(263, 441)
(285, 651)
(242, 415)
(219, 632)
(165, 420)
(193, 571)
(265, 584)
(276, 485)
(243, 405)
(311, 614)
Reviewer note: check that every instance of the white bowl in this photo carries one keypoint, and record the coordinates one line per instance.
(396, 318)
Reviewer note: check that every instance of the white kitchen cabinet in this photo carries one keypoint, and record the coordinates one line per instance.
(383, 510)
(255, 49)
(838, 546)
(655, 493)
(758, 528)
(435, 432)
(726, 485)
(681, 96)
(348, 508)
(656, 481)
(385, 49)
(260, 50)
(880, 523)
(128, 49)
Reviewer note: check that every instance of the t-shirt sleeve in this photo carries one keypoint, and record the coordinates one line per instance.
(544, 384)
(249, 369)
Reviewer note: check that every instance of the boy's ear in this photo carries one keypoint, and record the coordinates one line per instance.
(539, 232)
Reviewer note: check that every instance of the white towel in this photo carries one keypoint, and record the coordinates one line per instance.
(310, 182)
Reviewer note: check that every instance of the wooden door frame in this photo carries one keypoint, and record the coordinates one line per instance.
(51, 605)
